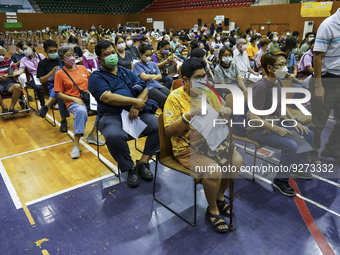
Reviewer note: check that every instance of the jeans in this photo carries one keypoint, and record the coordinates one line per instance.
(80, 118)
(159, 95)
(288, 149)
(116, 138)
(62, 108)
(167, 81)
(39, 90)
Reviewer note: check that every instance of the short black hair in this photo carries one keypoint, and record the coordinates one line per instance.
(197, 53)
(295, 33)
(49, 43)
(191, 65)
(117, 38)
(102, 45)
(193, 45)
(225, 38)
(308, 34)
(253, 38)
(175, 34)
(28, 43)
(72, 38)
(232, 41)
(268, 33)
(164, 43)
(291, 43)
(19, 44)
(248, 30)
(144, 49)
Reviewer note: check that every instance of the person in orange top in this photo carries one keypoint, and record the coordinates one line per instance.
(252, 49)
(66, 90)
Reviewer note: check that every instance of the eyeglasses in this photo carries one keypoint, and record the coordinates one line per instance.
(282, 65)
(69, 55)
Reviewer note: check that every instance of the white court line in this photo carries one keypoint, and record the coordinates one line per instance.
(10, 187)
(326, 180)
(68, 189)
(300, 196)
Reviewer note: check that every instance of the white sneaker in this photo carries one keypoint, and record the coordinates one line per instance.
(93, 140)
(75, 152)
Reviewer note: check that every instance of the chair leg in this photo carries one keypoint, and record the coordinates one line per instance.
(53, 124)
(167, 207)
(141, 151)
(28, 101)
(231, 190)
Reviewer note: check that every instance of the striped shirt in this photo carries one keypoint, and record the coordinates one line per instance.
(328, 41)
(4, 65)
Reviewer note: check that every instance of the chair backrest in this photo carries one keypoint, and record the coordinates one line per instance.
(164, 141)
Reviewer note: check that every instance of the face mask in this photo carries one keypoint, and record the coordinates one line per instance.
(248, 39)
(251, 32)
(71, 61)
(295, 50)
(287, 33)
(281, 73)
(129, 43)
(227, 44)
(257, 42)
(111, 61)
(121, 46)
(73, 45)
(235, 36)
(2, 58)
(21, 51)
(146, 59)
(28, 52)
(227, 60)
(275, 38)
(165, 52)
(310, 39)
(244, 47)
(218, 38)
(176, 40)
(53, 55)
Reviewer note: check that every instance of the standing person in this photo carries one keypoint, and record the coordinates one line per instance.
(219, 29)
(212, 29)
(325, 88)
(90, 60)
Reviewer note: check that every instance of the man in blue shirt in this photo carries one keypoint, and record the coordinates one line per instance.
(115, 88)
(175, 45)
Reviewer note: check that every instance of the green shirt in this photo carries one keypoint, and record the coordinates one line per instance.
(273, 46)
(304, 48)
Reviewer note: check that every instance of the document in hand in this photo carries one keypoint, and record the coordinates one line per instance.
(204, 124)
(132, 127)
(93, 103)
(303, 145)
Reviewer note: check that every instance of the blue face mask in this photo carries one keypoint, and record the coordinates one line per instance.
(227, 44)
(53, 55)
(165, 52)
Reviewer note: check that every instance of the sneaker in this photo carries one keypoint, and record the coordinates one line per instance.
(42, 111)
(144, 170)
(133, 180)
(22, 104)
(284, 188)
(93, 140)
(63, 126)
(302, 175)
(5, 110)
(326, 155)
(313, 158)
(75, 152)
(13, 111)
(55, 106)
(30, 98)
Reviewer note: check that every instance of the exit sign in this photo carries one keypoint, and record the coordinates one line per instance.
(269, 21)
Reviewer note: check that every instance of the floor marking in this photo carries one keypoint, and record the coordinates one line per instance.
(299, 196)
(68, 189)
(253, 151)
(10, 187)
(39, 242)
(310, 223)
(326, 180)
(29, 215)
(42, 148)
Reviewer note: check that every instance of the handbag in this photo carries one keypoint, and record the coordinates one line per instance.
(85, 96)
(169, 69)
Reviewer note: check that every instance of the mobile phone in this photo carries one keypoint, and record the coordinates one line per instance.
(10, 71)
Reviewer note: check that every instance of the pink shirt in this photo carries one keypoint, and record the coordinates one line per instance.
(306, 61)
(31, 64)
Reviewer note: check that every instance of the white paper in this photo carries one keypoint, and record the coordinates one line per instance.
(134, 127)
(180, 47)
(254, 78)
(93, 103)
(204, 124)
(303, 145)
(36, 80)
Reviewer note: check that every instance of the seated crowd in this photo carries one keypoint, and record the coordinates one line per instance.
(122, 74)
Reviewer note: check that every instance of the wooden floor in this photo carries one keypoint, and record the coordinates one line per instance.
(36, 156)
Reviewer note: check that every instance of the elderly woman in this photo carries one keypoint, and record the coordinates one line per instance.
(272, 133)
(67, 91)
(124, 57)
(30, 62)
(90, 60)
(227, 71)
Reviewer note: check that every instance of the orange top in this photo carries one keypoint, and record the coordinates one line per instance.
(62, 83)
(251, 51)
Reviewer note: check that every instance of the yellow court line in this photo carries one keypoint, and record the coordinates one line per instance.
(28, 215)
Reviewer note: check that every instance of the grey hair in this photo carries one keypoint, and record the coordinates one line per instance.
(239, 41)
(2, 48)
(63, 49)
(87, 40)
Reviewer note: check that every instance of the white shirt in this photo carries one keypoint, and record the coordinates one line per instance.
(328, 41)
(241, 61)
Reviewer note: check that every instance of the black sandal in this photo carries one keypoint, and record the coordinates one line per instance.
(214, 223)
(224, 207)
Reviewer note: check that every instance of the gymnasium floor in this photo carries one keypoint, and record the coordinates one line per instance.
(52, 204)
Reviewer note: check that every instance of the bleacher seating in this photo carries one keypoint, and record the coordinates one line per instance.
(179, 5)
(93, 6)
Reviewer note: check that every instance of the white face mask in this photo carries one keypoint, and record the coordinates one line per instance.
(244, 47)
(281, 73)
(2, 58)
(227, 60)
(248, 39)
(176, 40)
(311, 39)
(21, 51)
(257, 42)
(129, 43)
(287, 33)
(121, 46)
(235, 36)
(275, 38)
(227, 44)
(28, 52)
(218, 38)
(146, 59)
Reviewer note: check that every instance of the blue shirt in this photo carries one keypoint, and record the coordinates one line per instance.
(292, 62)
(102, 81)
(173, 45)
(150, 68)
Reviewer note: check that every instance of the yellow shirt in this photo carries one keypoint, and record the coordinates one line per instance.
(179, 102)
(251, 51)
